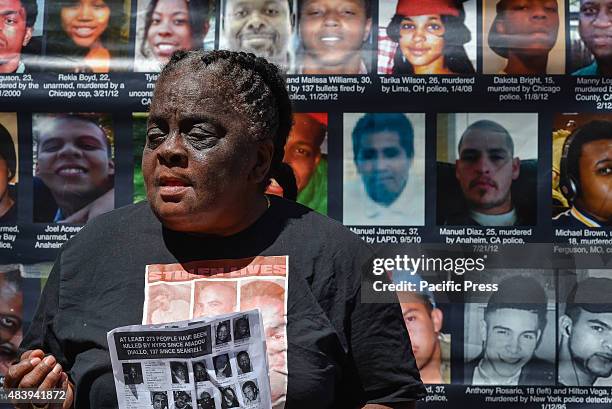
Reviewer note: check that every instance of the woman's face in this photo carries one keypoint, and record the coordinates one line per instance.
(85, 21)
(422, 39)
(170, 29)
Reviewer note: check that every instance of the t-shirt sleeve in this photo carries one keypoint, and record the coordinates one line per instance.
(41, 332)
(379, 344)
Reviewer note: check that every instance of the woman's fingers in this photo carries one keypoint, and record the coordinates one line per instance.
(32, 353)
(17, 371)
(52, 379)
(37, 375)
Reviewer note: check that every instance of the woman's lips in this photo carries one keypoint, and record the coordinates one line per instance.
(418, 51)
(83, 32)
(171, 191)
(172, 188)
(165, 49)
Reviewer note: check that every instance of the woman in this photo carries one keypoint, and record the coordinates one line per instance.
(218, 124)
(430, 37)
(524, 33)
(83, 35)
(8, 168)
(172, 25)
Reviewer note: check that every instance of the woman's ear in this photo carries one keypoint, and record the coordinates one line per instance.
(261, 167)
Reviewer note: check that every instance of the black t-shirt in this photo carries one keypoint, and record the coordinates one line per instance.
(341, 353)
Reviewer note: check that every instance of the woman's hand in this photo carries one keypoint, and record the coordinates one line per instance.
(37, 371)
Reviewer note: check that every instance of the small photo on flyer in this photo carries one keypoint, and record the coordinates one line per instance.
(304, 179)
(22, 41)
(159, 399)
(436, 37)
(487, 169)
(223, 334)
(182, 399)
(240, 28)
(343, 48)
(74, 167)
(168, 303)
(9, 167)
(165, 26)
(206, 399)
(510, 331)
(585, 328)
(523, 37)
(243, 362)
(223, 367)
(582, 152)
(590, 44)
(214, 297)
(250, 392)
(11, 288)
(384, 169)
(132, 373)
(200, 374)
(242, 329)
(81, 37)
(427, 317)
(179, 372)
(229, 398)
